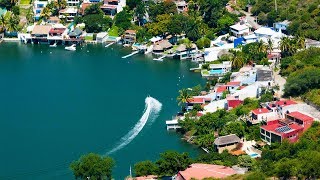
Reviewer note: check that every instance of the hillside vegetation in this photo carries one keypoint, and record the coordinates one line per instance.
(303, 14)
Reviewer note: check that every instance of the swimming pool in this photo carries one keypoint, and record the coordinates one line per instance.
(254, 155)
(220, 44)
(216, 71)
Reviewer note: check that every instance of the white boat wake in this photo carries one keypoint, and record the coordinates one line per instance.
(151, 111)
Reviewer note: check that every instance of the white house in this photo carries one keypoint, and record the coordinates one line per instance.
(262, 114)
(38, 7)
(281, 25)
(239, 30)
(264, 32)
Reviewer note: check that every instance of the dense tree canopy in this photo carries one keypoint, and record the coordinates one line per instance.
(145, 168)
(171, 162)
(93, 166)
(97, 23)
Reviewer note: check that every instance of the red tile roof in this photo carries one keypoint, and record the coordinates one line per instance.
(285, 102)
(234, 103)
(233, 83)
(241, 87)
(273, 126)
(199, 114)
(260, 111)
(201, 171)
(196, 100)
(84, 6)
(221, 89)
(149, 177)
(129, 31)
(300, 116)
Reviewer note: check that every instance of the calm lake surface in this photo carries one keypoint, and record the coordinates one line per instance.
(56, 105)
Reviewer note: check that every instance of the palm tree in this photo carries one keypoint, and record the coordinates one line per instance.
(45, 13)
(13, 23)
(237, 62)
(285, 45)
(3, 22)
(183, 98)
(300, 41)
(261, 47)
(270, 45)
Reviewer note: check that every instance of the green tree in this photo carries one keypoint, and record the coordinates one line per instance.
(93, 9)
(235, 127)
(123, 19)
(97, 23)
(46, 13)
(246, 161)
(13, 23)
(171, 162)
(16, 10)
(145, 168)
(183, 98)
(93, 166)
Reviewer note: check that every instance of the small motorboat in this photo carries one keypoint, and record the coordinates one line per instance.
(53, 45)
(71, 48)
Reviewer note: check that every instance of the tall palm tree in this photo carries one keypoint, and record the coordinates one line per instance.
(270, 45)
(45, 13)
(237, 61)
(13, 23)
(262, 47)
(3, 22)
(285, 44)
(183, 98)
(300, 41)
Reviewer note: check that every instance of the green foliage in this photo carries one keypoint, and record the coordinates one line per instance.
(93, 9)
(203, 43)
(301, 81)
(163, 7)
(123, 19)
(16, 10)
(303, 15)
(224, 158)
(145, 168)
(171, 162)
(313, 96)
(246, 161)
(114, 31)
(196, 90)
(300, 159)
(93, 166)
(8, 4)
(306, 58)
(257, 175)
(96, 23)
(226, 78)
(184, 97)
(266, 97)
(235, 127)
(255, 52)
(252, 132)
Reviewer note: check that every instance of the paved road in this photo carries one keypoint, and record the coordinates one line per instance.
(251, 20)
(279, 80)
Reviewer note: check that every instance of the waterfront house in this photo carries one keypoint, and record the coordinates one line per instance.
(281, 26)
(155, 40)
(129, 37)
(38, 7)
(239, 30)
(76, 33)
(40, 33)
(202, 171)
(217, 69)
(69, 13)
(227, 142)
(101, 37)
(197, 100)
(183, 53)
(162, 46)
(289, 128)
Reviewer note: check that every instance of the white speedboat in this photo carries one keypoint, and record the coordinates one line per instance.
(71, 48)
(53, 45)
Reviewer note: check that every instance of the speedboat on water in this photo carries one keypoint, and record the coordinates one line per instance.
(71, 48)
(53, 45)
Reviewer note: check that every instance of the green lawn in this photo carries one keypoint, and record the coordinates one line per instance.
(23, 12)
(114, 31)
(89, 38)
(25, 2)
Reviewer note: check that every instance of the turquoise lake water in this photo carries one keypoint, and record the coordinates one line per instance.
(56, 105)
